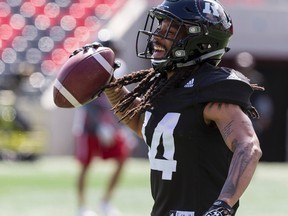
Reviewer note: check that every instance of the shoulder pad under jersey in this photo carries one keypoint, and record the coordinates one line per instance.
(216, 84)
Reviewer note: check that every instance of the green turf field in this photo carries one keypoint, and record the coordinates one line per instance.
(46, 188)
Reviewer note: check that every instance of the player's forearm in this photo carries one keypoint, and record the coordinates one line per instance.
(242, 168)
(115, 95)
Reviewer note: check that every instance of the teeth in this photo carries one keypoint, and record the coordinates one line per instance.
(159, 48)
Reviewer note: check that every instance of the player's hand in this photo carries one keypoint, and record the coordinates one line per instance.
(219, 208)
(86, 47)
(94, 45)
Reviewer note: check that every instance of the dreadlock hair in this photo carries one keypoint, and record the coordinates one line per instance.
(151, 85)
(252, 112)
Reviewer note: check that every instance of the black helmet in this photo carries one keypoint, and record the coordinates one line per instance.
(208, 27)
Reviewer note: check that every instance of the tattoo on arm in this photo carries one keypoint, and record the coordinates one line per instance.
(238, 166)
(227, 130)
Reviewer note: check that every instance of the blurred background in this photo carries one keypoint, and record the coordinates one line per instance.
(37, 37)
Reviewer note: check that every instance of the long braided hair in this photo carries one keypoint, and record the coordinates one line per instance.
(151, 85)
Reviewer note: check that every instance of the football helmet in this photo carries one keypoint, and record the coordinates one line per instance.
(208, 28)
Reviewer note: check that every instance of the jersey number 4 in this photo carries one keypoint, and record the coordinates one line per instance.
(164, 129)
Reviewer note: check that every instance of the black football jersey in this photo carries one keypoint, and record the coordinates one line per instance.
(189, 160)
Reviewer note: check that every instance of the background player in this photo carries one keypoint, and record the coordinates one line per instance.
(98, 133)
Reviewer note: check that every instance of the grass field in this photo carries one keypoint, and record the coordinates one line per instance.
(47, 187)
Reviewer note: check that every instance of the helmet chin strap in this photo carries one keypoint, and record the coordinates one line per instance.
(193, 61)
(201, 58)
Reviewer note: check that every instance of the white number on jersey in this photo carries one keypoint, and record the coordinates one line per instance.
(165, 128)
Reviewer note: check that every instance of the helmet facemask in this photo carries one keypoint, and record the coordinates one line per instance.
(205, 39)
(177, 52)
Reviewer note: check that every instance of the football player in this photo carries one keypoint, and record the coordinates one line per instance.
(193, 114)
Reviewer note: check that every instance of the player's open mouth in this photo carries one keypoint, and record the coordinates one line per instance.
(158, 52)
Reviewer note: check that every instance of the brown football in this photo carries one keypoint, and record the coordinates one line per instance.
(83, 76)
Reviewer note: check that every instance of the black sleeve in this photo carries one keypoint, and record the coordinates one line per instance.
(214, 84)
(227, 91)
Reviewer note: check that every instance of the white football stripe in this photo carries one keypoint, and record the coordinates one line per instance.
(99, 58)
(66, 94)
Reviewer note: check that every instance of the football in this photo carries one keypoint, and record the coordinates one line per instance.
(82, 77)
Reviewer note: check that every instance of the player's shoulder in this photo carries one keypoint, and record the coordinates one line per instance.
(221, 84)
(209, 74)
